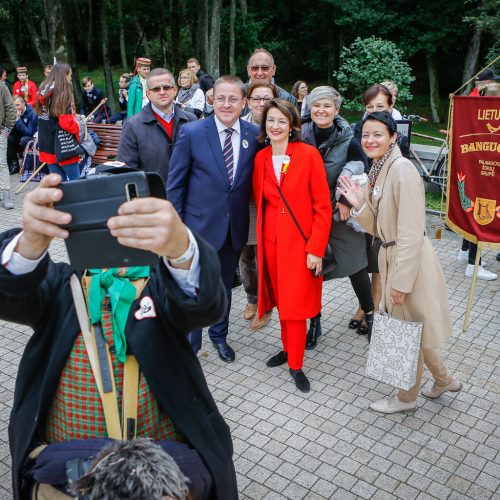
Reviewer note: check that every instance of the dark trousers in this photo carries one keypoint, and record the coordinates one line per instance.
(13, 142)
(363, 289)
(472, 247)
(248, 269)
(218, 332)
(120, 116)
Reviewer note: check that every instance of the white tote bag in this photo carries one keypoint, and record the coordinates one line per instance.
(394, 351)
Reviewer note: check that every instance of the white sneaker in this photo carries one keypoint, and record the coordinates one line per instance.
(392, 405)
(482, 273)
(463, 255)
(436, 390)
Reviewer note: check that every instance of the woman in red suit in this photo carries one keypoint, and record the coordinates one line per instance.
(285, 261)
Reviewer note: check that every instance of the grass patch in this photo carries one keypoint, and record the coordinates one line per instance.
(433, 201)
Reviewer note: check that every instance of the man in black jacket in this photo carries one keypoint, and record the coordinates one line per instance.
(184, 291)
(148, 137)
(205, 81)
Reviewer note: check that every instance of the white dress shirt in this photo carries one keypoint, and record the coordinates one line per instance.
(187, 279)
(235, 139)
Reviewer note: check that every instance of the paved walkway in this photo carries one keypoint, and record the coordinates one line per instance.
(326, 444)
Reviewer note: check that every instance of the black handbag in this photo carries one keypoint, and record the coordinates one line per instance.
(328, 259)
(66, 145)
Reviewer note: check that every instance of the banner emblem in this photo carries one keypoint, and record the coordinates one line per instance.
(484, 211)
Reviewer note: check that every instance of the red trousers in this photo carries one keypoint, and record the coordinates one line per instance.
(293, 332)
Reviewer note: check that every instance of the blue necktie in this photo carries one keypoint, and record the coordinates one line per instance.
(228, 154)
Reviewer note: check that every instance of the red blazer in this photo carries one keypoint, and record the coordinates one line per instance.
(306, 190)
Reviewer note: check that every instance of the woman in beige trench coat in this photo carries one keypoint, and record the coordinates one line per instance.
(413, 285)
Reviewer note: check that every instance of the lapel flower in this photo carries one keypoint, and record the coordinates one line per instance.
(286, 164)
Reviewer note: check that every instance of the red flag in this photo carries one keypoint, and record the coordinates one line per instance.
(473, 201)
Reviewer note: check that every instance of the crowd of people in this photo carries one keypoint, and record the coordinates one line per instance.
(257, 179)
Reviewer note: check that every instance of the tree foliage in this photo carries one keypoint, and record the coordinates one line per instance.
(306, 38)
(368, 61)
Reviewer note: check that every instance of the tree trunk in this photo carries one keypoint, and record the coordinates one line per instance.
(143, 40)
(41, 51)
(9, 42)
(89, 35)
(204, 52)
(232, 20)
(244, 9)
(123, 52)
(176, 37)
(213, 60)
(57, 40)
(471, 58)
(433, 88)
(108, 76)
(71, 35)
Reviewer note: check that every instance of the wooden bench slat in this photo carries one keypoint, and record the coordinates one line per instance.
(110, 139)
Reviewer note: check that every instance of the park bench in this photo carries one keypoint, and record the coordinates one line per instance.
(110, 138)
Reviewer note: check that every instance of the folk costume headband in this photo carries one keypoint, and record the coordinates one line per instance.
(141, 61)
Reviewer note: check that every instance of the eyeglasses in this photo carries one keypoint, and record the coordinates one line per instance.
(262, 68)
(222, 99)
(260, 99)
(162, 87)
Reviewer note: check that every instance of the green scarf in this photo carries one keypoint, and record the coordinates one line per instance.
(122, 292)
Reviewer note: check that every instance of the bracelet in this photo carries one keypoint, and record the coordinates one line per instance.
(188, 254)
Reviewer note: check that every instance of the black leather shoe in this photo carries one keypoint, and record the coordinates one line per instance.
(498, 256)
(14, 168)
(226, 352)
(277, 360)
(301, 381)
(354, 324)
(314, 332)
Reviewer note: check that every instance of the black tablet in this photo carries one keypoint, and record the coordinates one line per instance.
(91, 202)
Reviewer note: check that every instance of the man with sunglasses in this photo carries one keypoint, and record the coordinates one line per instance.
(148, 137)
(261, 68)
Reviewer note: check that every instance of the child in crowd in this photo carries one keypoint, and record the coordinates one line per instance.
(122, 98)
(91, 98)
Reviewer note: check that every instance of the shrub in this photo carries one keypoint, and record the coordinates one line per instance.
(368, 61)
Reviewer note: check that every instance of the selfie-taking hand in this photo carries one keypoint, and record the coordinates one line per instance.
(150, 224)
(40, 220)
(352, 191)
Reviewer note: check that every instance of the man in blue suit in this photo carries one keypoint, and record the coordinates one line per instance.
(209, 184)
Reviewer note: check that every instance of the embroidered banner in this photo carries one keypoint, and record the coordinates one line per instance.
(473, 201)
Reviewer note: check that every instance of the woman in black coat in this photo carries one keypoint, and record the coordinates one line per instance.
(342, 154)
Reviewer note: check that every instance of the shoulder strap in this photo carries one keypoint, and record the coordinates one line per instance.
(116, 430)
(291, 213)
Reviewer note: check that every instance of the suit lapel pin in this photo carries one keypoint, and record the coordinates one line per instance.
(244, 143)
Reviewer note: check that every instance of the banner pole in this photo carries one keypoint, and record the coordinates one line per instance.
(448, 168)
(472, 287)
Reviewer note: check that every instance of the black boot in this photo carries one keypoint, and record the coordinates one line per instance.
(369, 325)
(314, 332)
